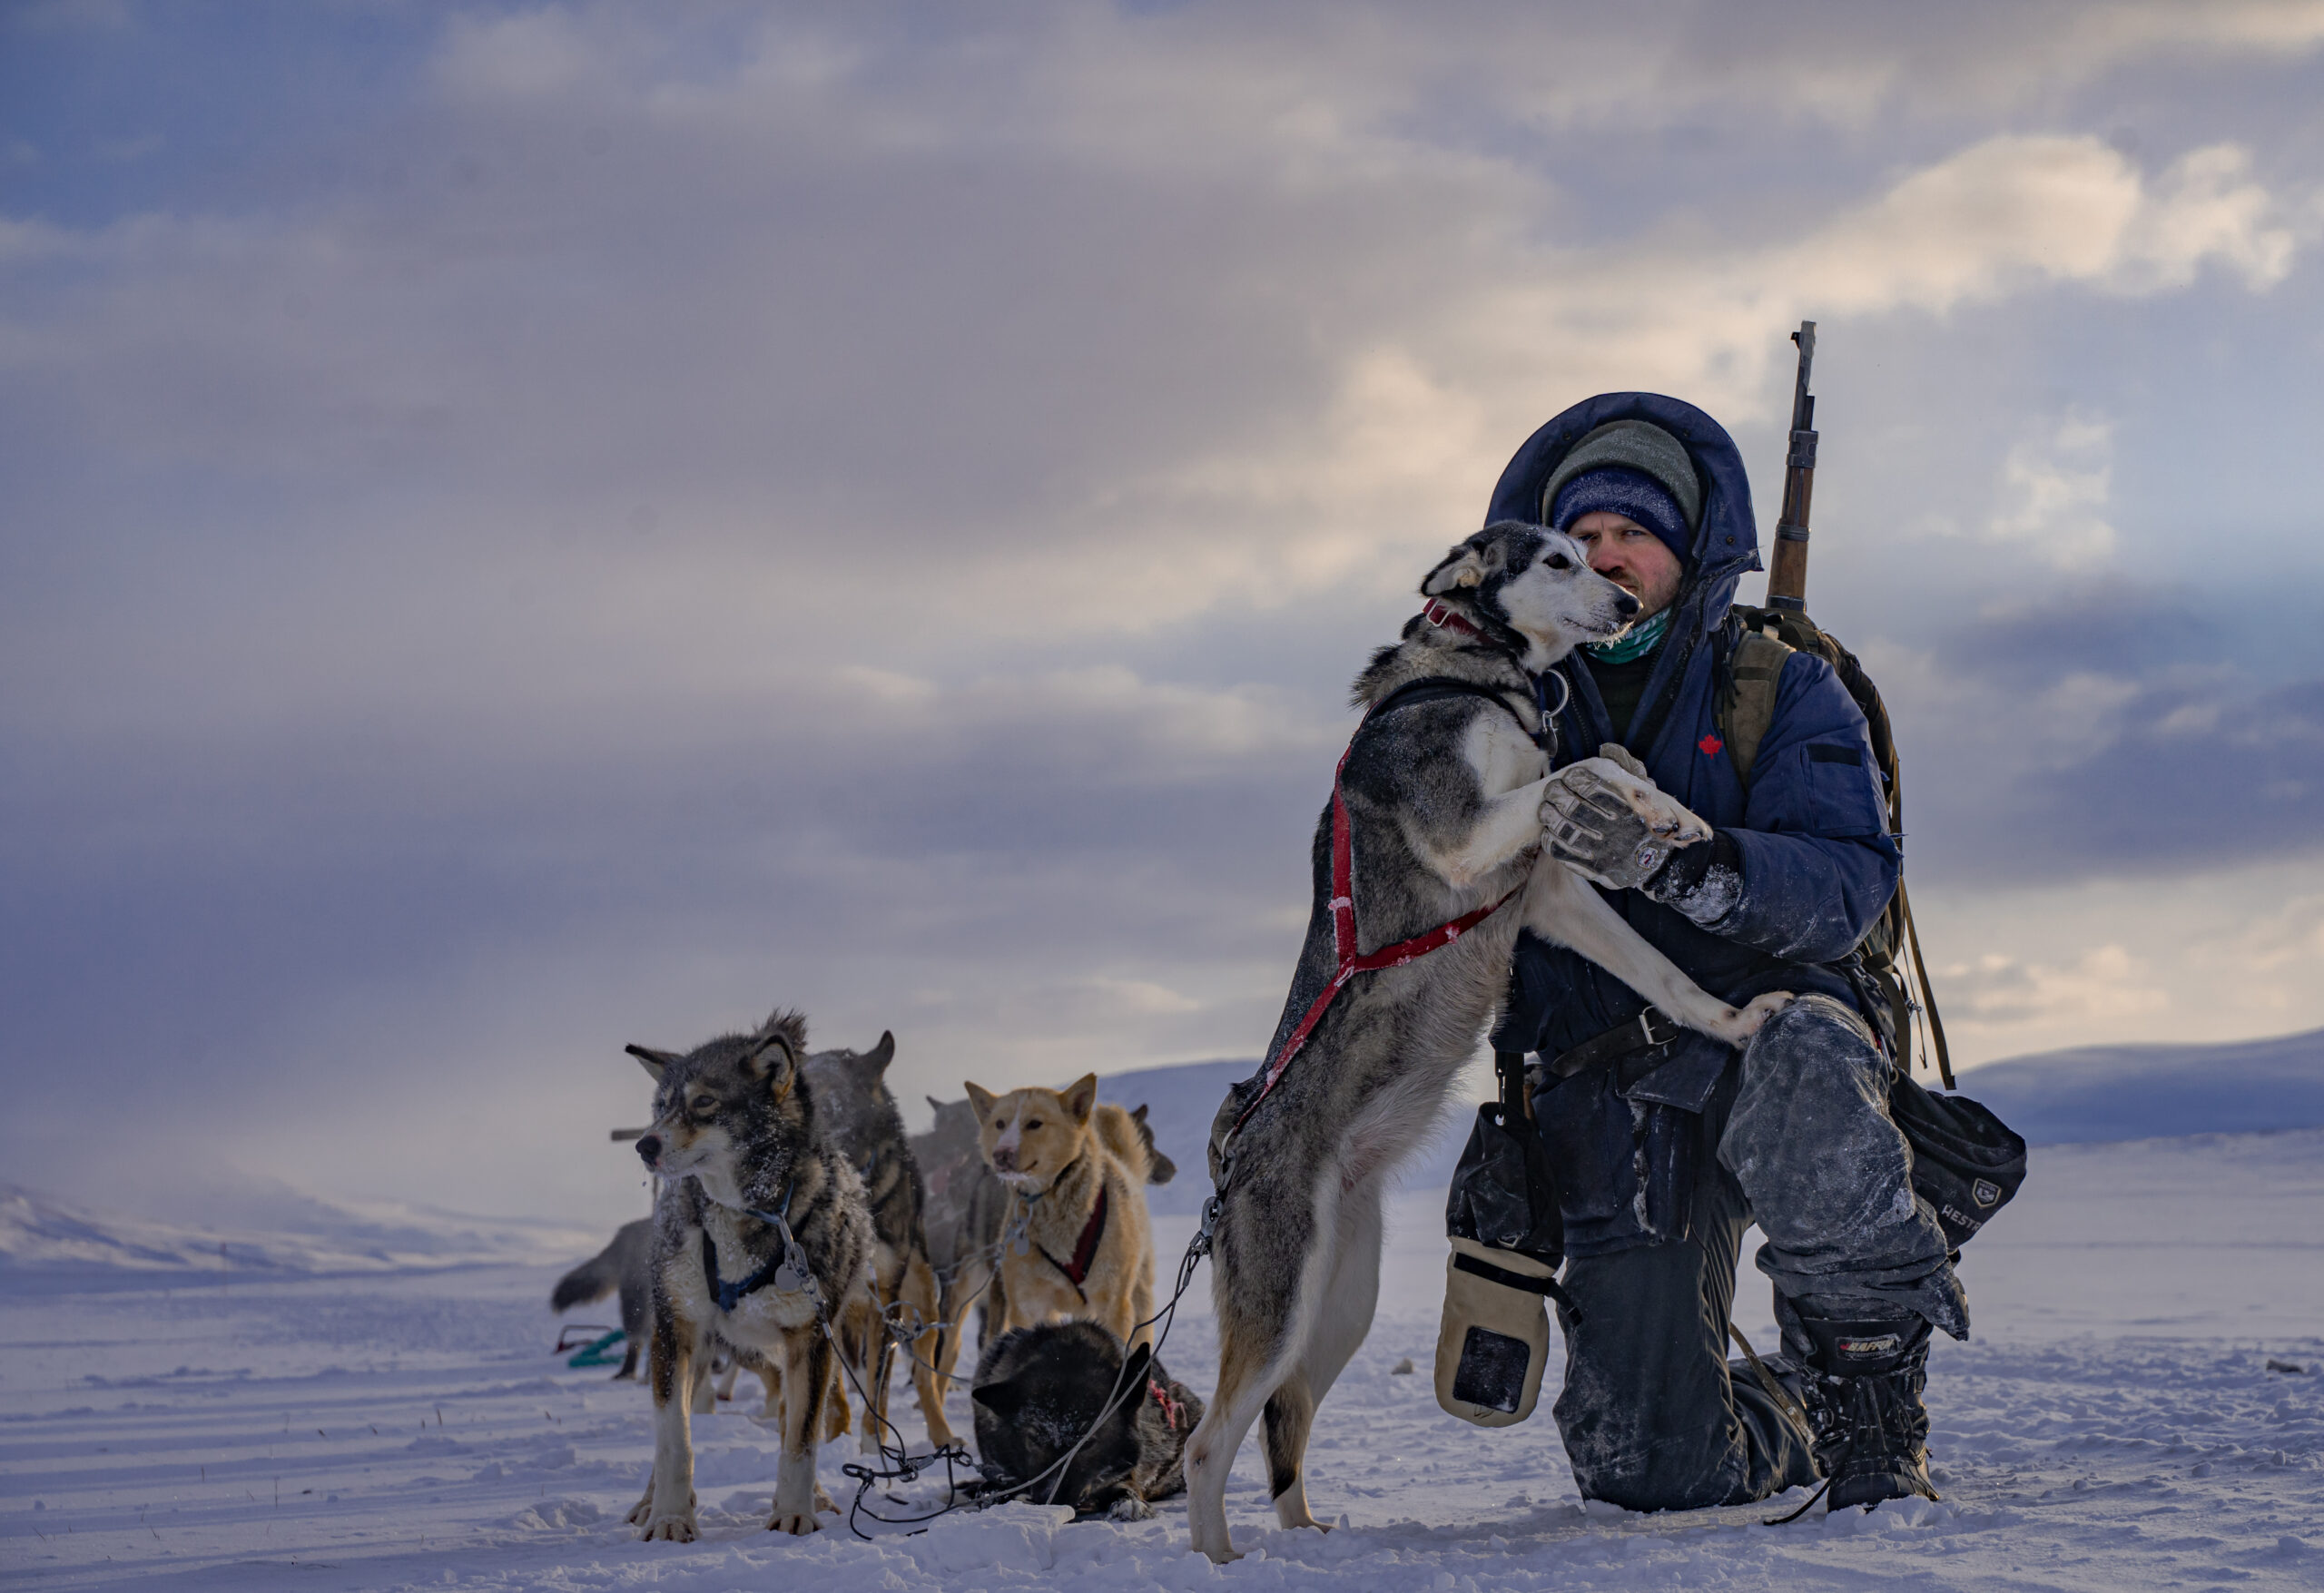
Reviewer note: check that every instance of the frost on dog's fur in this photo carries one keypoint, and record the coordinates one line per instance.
(1444, 798)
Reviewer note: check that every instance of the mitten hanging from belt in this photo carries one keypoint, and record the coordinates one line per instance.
(1508, 1241)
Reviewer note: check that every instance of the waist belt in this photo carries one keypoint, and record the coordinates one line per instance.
(1634, 1049)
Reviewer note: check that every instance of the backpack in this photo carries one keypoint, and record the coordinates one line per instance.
(1747, 706)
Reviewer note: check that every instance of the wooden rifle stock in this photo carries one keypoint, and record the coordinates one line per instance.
(1787, 567)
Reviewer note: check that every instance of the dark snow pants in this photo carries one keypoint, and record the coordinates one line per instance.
(1651, 1417)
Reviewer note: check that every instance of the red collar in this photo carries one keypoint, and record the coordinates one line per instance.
(1451, 619)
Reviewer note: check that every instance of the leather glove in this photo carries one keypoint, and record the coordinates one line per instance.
(1587, 824)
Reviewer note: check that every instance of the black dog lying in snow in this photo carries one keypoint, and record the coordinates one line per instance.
(1039, 1389)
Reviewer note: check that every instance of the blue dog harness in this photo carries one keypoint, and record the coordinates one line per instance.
(786, 1248)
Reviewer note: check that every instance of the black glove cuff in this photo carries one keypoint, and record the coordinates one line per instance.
(1679, 881)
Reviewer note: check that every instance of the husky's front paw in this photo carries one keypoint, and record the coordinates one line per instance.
(674, 1528)
(798, 1523)
(1130, 1508)
(1743, 1022)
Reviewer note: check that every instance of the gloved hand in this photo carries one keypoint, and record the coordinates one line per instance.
(1589, 824)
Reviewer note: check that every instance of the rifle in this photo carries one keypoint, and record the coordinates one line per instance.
(1787, 597)
(1788, 574)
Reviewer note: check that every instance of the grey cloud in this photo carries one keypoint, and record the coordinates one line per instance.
(2106, 732)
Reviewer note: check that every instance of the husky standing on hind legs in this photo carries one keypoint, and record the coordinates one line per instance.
(1442, 789)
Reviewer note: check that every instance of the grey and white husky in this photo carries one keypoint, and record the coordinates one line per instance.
(1444, 798)
(741, 1157)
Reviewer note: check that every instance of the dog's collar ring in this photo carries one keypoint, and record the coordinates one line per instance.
(1542, 694)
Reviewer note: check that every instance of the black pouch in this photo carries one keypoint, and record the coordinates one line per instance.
(1502, 1195)
(1508, 1238)
(1966, 1162)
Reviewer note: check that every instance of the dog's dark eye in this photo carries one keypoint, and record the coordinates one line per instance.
(705, 1103)
(1031, 1123)
(1558, 561)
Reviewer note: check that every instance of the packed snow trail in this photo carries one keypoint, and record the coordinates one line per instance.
(2114, 1426)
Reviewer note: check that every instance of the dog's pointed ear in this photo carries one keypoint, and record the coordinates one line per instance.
(1466, 566)
(1135, 1369)
(791, 1024)
(874, 1062)
(935, 1103)
(979, 1098)
(1080, 1097)
(1002, 1399)
(1138, 1114)
(770, 1061)
(654, 1062)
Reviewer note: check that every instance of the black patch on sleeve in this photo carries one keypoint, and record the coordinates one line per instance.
(1825, 753)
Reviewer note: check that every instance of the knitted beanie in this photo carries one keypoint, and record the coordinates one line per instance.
(1627, 492)
(1645, 448)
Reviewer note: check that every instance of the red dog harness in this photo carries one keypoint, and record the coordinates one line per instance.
(1085, 1251)
(1173, 1414)
(1343, 904)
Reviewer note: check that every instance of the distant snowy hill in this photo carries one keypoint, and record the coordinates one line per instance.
(2091, 1094)
(46, 1242)
(2097, 1093)
(1183, 1100)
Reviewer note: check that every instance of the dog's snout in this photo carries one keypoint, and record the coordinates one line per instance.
(649, 1148)
(1625, 605)
(1004, 1158)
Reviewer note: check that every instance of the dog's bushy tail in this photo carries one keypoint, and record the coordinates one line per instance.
(594, 1279)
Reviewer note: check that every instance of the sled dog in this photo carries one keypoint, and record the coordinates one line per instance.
(1077, 1242)
(743, 1159)
(1443, 796)
(621, 1265)
(967, 1204)
(860, 1118)
(1040, 1392)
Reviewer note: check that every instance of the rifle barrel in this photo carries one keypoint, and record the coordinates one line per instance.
(1788, 567)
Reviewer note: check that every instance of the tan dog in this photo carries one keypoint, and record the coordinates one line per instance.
(1077, 1242)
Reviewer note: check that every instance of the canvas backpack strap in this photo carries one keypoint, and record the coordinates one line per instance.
(1746, 709)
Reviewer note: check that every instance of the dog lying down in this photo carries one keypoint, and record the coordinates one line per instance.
(1040, 1390)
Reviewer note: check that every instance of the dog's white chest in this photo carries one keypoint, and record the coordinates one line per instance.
(1503, 756)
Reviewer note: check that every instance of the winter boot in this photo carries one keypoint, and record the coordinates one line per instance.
(1862, 1387)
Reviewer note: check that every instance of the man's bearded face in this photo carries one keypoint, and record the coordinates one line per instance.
(1631, 556)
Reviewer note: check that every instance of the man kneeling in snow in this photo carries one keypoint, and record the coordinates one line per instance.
(1667, 1144)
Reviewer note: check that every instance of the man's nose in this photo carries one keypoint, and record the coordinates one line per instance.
(649, 1148)
(1626, 605)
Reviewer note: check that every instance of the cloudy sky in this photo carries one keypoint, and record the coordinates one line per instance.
(524, 529)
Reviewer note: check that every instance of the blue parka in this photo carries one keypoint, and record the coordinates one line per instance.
(1818, 862)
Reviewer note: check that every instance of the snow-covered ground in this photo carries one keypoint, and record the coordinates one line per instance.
(2113, 1425)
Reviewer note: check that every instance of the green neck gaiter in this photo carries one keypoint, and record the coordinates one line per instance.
(1636, 642)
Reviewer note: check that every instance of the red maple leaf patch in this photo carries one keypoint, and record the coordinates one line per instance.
(1710, 746)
